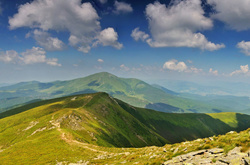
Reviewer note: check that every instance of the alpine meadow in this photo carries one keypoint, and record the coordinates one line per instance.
(156, 82)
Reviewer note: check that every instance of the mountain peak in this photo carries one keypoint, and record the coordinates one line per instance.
(104, 74)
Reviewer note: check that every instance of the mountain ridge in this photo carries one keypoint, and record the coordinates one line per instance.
(168, 127)
(130, 90)
(81, 127)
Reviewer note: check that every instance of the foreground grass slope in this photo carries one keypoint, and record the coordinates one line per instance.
(102, 120)
(132, 91)
(80, 127)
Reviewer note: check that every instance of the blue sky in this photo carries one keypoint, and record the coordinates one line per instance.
(192, 40)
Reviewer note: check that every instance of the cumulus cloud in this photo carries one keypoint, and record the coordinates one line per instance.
(122, 8)
(9, 56)
(30, 56)
(175, 65)
(235, 14)
(79, 19)
(243, 70)
(109, 37)
(244, 47)
(46, 41)
(100, 60)
(213, 72)
(180, 67)
(178, 25)
(139, 35)
(124, 67)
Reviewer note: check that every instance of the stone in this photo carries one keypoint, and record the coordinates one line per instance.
(205, 161)
(169, 162)
(231, 132)
(234, 151)
(176, 150)
(224, 160)
(216, 151)
(200, 152)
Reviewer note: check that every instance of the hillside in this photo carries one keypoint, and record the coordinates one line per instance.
(79, 125)
(132, 91)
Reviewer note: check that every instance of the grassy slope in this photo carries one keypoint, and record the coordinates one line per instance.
(132, 91)
(115, 123)
(65, 129)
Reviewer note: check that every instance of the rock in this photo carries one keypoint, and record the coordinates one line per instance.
(176, 150)
(211, 138)
(234, 151)
(224, 160)
(220, 163)
(205, 161)
(231, 132)
(245, 162)
(200, 152)
(198, 140)
(216, 151)
(177, 159)
(212, 156)
(169, 162)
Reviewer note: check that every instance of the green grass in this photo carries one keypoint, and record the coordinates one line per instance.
(95, 128)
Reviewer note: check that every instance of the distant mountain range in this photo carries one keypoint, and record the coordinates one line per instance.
(207, 88)
(74, 128)
(132, 91)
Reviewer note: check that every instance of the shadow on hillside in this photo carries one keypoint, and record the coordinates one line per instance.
(162, 107)
(243, 121)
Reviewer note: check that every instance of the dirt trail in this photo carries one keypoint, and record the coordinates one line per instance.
(72, 141)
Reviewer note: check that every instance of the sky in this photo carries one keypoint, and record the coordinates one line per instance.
(193, 40)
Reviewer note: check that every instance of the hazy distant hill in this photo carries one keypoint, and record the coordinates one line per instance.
(228, 102)
(71, 129)
(132, 91)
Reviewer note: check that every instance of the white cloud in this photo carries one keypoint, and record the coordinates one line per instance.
(180, 67)
(9, 56)
(46, 41)
(235, 14)
(79, 19)
(194, 70)
(213, 72)
(103, 1)
(122, 7)
(175, 65)
(244, 69)
(109, 37)
(178, 25)
(124, 67)
(139, 35)
(53, 62)
(244, 47)
(30, 56)
(100, 60)
(34, 55)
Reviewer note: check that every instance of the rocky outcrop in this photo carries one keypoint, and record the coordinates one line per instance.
(213, 156)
